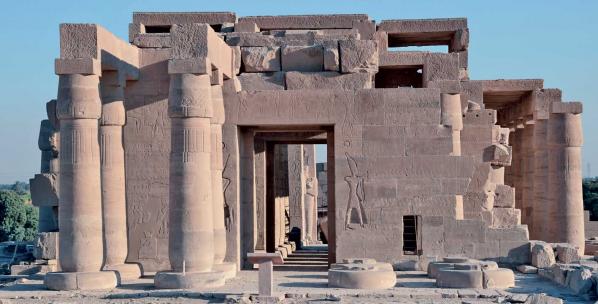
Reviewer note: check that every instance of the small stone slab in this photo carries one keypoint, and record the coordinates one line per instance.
(261, 257)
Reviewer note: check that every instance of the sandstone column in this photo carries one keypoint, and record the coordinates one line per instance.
(565, 138)
(296, 192)
(112, 160)
(217, 165)
(191, 234)
(527, 177)
(541, 187)
(80, 213)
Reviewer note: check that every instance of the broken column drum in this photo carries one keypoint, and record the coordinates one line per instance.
(112, 160)
(191, 239)
(80, 213)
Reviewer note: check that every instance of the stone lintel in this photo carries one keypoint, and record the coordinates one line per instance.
(339, 21)
(190, 66)
(162, 19)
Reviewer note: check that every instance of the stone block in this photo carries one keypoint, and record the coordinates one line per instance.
(366, 28)
(260, 59)
(212, 18)
(440, 66)
(303, 58)
(246, 27)
(498, 155)
(327, 80)
(32, 269)
(358, 56)
(527, 269)
(252, 40)
(542, 299)
(504, 196)
(344, 21)
(580, 281)
(262, 81)
(499, 278)
(505, 217)
(567, 253)
(542, 254)
(159, 40)
(44, 189)
(331, 58)
(46, 246)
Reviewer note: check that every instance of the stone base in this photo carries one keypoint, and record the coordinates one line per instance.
(125, 272)
(452, 278)
(362, 275)
(189, 280)
(80, 280)
(229, 269)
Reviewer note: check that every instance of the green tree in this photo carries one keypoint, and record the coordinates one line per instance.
(18, 220)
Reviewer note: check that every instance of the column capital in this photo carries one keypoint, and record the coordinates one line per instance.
(112, 89)
(78, 97)
(190, 96)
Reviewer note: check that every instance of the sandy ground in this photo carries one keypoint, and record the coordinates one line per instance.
(297, 286)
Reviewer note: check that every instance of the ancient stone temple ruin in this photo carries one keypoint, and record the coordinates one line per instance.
(191, 145)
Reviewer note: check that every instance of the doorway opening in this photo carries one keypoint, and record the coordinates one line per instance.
(288, 174)
(411, 235)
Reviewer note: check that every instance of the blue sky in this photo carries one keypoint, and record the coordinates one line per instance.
(556, 41)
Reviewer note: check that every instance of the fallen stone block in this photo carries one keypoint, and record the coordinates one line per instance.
(358, 56)
(580, 281)
(499, 278)
(303, 58)
(261, 59)
(32, 269)
(567, 253)
(542, 299)
(527, 269)
(542, 254)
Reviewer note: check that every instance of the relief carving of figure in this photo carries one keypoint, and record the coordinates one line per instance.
(356, 195)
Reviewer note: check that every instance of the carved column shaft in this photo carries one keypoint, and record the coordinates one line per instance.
(216, 168)
(565, 139)
(191, 240)
(541, 188)
(80, 213)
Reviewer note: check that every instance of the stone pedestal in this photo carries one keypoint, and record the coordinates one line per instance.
(565, 138)
(112, 157)
(80, 213)
(191, 239)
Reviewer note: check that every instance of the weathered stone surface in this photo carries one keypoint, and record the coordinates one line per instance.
(527, 269)
(542, 299)
(303, 58)
(46, 246)
(499, 278)
(580, 281)
(566, 253)
(362, 274)
(262, 81)
(542, 254)
(327, 80)
(358, 56)
(451, 278)
(44, 189)
(260, 59)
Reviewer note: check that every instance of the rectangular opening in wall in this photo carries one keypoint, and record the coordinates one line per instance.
(423, 48)
(411, 235)
(400, 77)
(426, 41)
(157, 29)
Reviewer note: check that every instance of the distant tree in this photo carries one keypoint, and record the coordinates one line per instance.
(590, 197)
(18, 220)
(20, 187)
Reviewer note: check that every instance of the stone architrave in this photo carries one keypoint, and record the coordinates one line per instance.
(80, 214)
(112, 160)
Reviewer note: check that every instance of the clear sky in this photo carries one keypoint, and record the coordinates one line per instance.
(553, 40)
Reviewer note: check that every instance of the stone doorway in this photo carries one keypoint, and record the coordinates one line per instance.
(279, 190)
